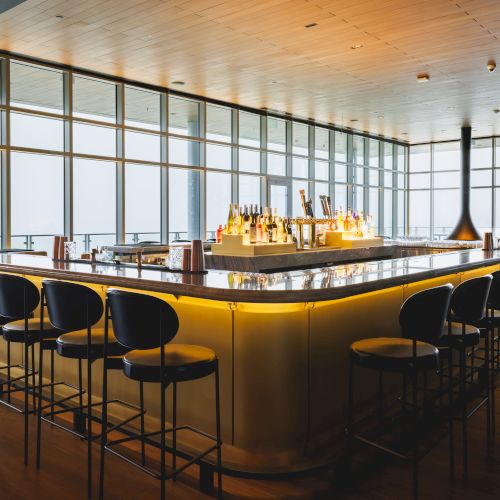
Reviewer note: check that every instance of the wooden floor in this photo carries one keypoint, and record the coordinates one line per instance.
(63, 473)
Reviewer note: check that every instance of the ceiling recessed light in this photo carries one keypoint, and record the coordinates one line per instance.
(423, 77)
(178, 82)
(404, 133)
(496, 111)
(357, 46)
(354, 120)
(311, 25)
(60, 16)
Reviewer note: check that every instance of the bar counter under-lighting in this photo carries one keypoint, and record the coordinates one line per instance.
(281, 339)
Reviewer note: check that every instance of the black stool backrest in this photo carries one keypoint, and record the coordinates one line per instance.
(423, 315)
(19, 297)
(141, 321)
(468, 301)
(494, 297)
(72, 306)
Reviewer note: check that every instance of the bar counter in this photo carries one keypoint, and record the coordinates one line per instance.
(282, 340)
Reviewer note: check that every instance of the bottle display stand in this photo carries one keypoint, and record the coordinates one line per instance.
(345, 239)
(239, 245)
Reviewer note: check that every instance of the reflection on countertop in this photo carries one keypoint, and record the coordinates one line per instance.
(324, 283)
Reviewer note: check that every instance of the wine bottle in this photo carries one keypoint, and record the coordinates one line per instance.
(246, 221)
(253, 227)
(230, 220)
(259, 229)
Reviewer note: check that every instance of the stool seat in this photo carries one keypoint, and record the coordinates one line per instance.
(472, 336)
(182, 362)
(74, 344)
(14, 331)
(487, 321)
(393, 354)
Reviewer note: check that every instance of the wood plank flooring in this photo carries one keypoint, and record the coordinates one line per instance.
(63, 473)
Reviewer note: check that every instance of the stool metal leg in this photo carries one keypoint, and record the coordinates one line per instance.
(33, 382)
(162, 440)
(218, 431)
(174, 430)
(52, 384)
(350, 417)
(9, 386)
(143, 439)
(450, 416)
(463, 401)
(415, 437)
(39, 412)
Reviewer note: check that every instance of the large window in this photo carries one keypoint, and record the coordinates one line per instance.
(104, 162)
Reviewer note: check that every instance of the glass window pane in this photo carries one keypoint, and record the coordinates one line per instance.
(358, 151)
(387, 178)
(94, 99)
(320, 188)
(297, 210)
(183, 116)
(420, 158)
(218, 156)
(481, 178)
(142, 108)
(300, 138)
(420, 206)
(340, 196)
(36, 132)
(401, 229)
(249, 129)
(249, 190)
(374, 153)
(497, 212)
(94, 203)
(321, 170)
(183, 204)
(321, 143)
(358, 200)
(373, 176)
(387, 155)
(142, 203)
(447, 179)
(340, 173)
(387, 226)
(481, 209)
(340, 146)
(276, 164)
(373, 207)
(93, 140)
(276, 134)
(420, 181)
(447, 156)
(300, 167)
(140, 146)
(482, 153)
(358, 175)
(446, 210)
(249, 160)
(34, 87)
(37, 199)
(183, 152)
(401, 158)
(218, 123)
(218, 200)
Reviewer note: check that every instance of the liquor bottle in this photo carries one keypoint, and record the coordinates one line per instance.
(348, 221)
(230, 220)
(289, 235)
(279, 229)
(246, 221)
(265, 228)
(259, 229)
(275, 227)
(240, 222)
(283, 230)
(220, 230)
(253, 227)
(340, 220)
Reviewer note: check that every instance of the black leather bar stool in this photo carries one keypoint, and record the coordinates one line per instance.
(76, 309)
(421, 319)
(147, 324)
(467, 308)
(19, 298)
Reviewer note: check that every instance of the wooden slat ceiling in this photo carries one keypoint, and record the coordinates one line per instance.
(258, 53)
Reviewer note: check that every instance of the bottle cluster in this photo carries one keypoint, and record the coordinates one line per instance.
(354, 222)
(261, 226)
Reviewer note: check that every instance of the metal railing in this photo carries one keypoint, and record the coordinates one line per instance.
(88, 238)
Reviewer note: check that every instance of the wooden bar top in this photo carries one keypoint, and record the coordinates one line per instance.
(326, 283)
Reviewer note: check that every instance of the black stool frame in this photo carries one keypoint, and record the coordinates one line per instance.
(162, 475)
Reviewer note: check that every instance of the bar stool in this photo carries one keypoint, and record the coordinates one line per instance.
(421, 319)
(19, 298)
(467, 308)
(146, 325)
(75, 309)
